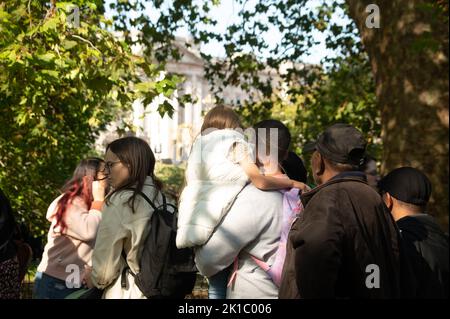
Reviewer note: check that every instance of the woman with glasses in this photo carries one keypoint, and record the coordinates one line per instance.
(130, 165)
(74, 217)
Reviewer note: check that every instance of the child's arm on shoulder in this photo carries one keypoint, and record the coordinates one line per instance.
(267, 182)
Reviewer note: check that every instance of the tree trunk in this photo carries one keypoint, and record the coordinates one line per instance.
(409, 58)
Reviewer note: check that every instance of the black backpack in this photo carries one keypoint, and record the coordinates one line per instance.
(165, 270)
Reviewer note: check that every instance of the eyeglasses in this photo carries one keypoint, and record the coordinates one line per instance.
(109, 166)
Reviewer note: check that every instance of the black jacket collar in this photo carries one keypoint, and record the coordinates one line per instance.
(355, 176)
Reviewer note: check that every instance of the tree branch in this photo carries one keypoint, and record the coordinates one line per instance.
(87, 41)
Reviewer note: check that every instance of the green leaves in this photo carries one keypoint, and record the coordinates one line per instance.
(59, 86)
(69, 44)
(50, 24)
(172, 177)
(164, 108)
(167, 86)
(52, 73)
(46, 57)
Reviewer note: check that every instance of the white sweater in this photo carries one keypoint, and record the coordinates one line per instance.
(212, 182)
(252, 227)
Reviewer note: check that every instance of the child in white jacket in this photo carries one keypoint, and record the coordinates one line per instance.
(220, 164)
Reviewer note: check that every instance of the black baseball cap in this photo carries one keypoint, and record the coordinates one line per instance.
(340, 143)
(408, 185)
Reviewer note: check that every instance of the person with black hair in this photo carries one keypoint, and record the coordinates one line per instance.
(251, 233)
(406, 192)
(294, 168)
(220, 164)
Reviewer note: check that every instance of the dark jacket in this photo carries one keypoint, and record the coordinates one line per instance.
(427, 250)
(343, 231)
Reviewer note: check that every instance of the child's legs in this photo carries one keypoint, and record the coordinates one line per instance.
(218, 285)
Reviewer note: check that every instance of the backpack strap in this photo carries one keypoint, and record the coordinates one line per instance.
(123, 278)
(164, 205)
(233, 272)
(145, 197)
(262, 264)
(124, 255)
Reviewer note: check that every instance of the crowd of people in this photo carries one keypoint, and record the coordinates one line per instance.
(257, 229)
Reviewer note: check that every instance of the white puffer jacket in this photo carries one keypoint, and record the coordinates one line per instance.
(213, 181)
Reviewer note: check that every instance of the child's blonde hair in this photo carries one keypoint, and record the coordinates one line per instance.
(221, 117)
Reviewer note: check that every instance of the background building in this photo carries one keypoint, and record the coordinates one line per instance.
(171, 137)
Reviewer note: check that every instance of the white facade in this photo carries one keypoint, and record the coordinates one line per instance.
(171, 137)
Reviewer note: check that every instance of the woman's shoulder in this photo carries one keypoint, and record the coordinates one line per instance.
(51, 210)
(117, 206)
(153, 192)
(119, 196)
(122, 198)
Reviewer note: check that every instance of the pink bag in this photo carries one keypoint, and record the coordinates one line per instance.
(292, 207)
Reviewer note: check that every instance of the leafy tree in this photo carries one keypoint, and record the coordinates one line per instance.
(344, 94)
(408, 56)
(409, 60)
(172, 177)
(60, 84)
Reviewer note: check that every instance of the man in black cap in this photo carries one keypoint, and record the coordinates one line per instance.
(345, 243)
(406, 192)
